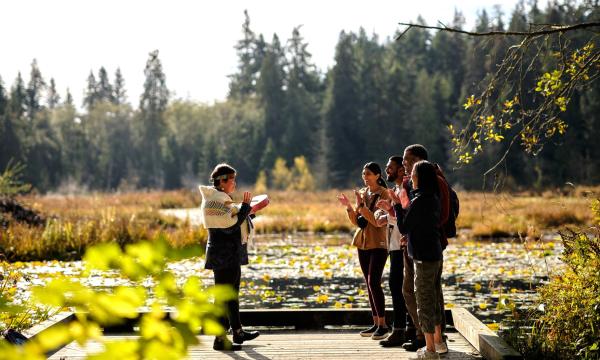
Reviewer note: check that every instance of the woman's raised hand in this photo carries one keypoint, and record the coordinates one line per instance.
(343, 200)
(395, 198)
(359, 198)
(384, 205)
(247, 197)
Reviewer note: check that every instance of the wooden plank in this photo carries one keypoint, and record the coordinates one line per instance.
(346, 345)
(60, 318)
(487, 342)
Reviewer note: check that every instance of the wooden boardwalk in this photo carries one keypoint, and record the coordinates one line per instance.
(290, 344)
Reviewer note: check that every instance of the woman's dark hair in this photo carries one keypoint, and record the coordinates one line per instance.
(376, 169)
(427, 177)
(220, 172)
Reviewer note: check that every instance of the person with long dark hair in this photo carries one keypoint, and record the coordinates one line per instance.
(226, 250)
(370, 239)
(421, 223)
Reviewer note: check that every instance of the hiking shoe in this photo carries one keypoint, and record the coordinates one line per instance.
(369, 331)
(414, 345)
(380, 333)
(222, 343)
(428, 355)
(240, 336)
(441, 348)
(396, 338)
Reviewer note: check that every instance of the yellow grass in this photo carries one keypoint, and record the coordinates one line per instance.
(76, 222)
(482, 215)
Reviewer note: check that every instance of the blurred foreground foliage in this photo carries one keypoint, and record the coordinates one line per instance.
(154, 291)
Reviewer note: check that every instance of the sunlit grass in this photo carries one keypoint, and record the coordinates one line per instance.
(76, 222)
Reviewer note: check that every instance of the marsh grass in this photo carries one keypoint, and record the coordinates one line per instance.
(77, 222)
(482, 215)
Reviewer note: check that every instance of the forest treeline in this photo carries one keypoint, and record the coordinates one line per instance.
(379, 96)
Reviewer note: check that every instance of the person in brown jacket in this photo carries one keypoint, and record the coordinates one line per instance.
(371, 240)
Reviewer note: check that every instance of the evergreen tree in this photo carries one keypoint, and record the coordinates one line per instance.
(344, 143)
(150, 126)
(373, 98)
(34, 91)
(69, 98)
(302, 106)
(120, 95)
(10, 148)
(76, 162)
(271, 93)
(17, 102)
(447, 58)
(173, 167)
(53, 97)
(103, 87)
(91, 92)
(243, 83)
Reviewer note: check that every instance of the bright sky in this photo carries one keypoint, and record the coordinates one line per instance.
(195, 38)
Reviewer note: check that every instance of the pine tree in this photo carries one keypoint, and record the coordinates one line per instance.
(150, 126)
(302, 106)
(34, 91)
(9, 141)
(53, 97)
(270, 89)
(373, 98)
(250, 51)
(344, 141)
(91, 92)
(119, 95)
(103, 87)
(69, 98)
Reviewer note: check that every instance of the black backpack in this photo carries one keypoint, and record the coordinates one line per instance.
(450, 225)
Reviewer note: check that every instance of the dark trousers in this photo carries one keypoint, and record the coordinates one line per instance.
(230, 276)
(372, 262)
(396, 280)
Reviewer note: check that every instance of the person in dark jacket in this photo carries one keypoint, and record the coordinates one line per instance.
(226, 250)
(420, 222)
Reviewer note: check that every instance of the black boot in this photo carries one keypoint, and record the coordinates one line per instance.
(222, 343)
(415, 345)
(396, 338)
(239, 336)
(410, 333)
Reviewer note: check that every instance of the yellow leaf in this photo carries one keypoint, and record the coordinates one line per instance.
(493, 326)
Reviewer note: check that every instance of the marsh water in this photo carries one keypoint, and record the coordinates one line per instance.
(306, 271)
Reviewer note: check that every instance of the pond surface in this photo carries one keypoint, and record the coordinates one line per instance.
(488, 278)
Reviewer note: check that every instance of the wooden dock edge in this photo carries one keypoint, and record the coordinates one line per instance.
(56, 320)
(488, 343)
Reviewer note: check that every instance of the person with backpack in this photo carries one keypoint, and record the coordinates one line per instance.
(370, 239)
(421, 223)
(413, 154)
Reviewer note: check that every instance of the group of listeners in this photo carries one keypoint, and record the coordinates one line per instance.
(406, 222)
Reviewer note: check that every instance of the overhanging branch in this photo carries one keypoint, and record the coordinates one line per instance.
(551, 29)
